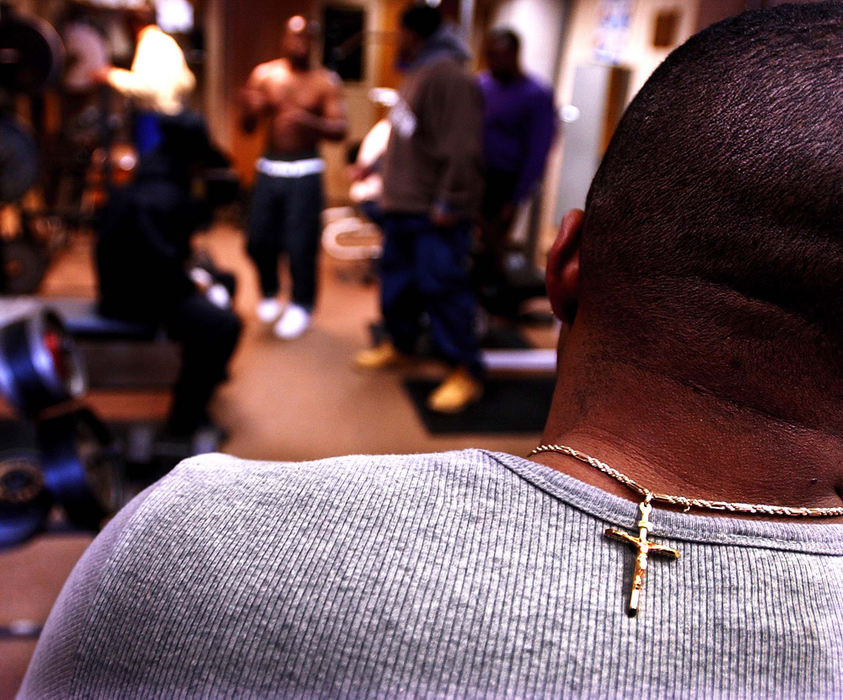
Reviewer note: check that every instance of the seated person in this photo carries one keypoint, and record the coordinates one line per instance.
(143, 253)
(702, 372)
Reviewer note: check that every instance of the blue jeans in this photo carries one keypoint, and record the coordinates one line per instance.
(424, 269)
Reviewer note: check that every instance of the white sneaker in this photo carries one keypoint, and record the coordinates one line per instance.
(269, 309)
(294, 322)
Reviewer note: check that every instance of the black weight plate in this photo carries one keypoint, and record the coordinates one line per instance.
(24, 502)
(30, 54)
(24, 265)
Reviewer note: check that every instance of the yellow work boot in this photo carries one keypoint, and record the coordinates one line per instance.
(458, 390)
(383, 356)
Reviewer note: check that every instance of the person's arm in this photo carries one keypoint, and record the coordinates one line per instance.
(252, 100)
(332, 123)
(541, 131)
(453, 115)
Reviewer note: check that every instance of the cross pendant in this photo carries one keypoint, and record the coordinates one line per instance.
(645, 548)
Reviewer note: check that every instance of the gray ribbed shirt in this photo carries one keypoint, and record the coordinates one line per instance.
(457, 574)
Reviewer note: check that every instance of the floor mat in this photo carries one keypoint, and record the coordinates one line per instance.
(509, 405)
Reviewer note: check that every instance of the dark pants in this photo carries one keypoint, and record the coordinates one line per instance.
(425, 269)
(208, 335)
(372, 211)
(497, 216)
(285, 218)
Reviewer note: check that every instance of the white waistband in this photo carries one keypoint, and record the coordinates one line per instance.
(291, 168)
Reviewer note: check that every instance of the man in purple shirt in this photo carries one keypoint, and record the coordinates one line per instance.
(520, 124)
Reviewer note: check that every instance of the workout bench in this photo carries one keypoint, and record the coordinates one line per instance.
(117, 354)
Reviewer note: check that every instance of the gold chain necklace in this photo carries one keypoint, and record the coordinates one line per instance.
(643, 546)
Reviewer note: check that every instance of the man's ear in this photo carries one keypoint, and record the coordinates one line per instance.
(563, 268)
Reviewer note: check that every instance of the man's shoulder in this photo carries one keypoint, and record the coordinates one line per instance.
(326, 77)
(445, 65)
(447, 72)
(271, 68)
(538, 87)
(227, 467)
(204, 491)
(485, 80)
(212, 474)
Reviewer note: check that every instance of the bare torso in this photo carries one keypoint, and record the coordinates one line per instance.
(302, 107)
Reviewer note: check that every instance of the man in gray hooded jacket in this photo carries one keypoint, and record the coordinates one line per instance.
(432, 190)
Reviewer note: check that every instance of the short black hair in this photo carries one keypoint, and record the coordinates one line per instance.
(421, 19)
(719, 201)
(507, 35)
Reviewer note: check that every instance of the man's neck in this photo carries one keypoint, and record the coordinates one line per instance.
(509, 78)
(681, 440)
(297, 65)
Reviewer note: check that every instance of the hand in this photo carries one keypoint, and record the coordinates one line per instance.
(201, 278)
(253, 101)
(296, 117)
(219, 296)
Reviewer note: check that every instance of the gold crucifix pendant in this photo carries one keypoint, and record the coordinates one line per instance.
(645, 548)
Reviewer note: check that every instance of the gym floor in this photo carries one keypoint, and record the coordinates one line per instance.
(285, 400)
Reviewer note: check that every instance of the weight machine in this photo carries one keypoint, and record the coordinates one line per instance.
(31, 58)
(64, 456)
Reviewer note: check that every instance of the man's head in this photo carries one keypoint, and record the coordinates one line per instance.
(502, 49)
(297, 41)
(419, 22)
(712, 242)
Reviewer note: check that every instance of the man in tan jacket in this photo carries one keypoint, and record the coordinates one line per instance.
(432, 190)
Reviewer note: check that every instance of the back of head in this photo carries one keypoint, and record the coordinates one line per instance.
(422, 20)
(502, 48)
(506, 37)
(712, 240)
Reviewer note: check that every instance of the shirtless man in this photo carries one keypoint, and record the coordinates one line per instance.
(302, 106)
